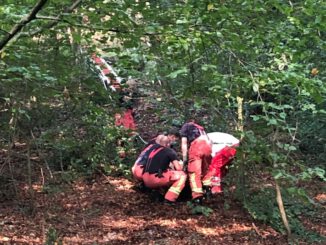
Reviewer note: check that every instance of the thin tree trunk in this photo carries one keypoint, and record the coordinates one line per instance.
(282, 210)
(242, 168)
(29, 168)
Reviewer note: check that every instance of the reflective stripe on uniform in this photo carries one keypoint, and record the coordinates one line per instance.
(174, 190)
(195, 188)
(207, 182)
(177, 189)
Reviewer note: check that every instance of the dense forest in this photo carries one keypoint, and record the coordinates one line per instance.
(253, 69)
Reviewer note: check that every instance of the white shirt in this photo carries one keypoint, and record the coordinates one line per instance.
(220, 140)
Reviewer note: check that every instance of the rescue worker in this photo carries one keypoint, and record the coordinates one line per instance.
(196, 150)
(138, 168)
(217, 170)
(223, 152)
(163, 169)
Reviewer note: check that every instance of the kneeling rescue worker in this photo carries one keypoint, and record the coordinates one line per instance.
(163, 169)
(195, 141)
(138, 168)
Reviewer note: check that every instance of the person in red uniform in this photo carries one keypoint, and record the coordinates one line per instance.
(223, 152)
(217, 170)
(163, 169)
(138, 168)
(196, 149)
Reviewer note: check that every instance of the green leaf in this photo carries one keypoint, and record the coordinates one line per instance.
(177, 73)
(272, 121)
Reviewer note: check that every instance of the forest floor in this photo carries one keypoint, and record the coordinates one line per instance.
(110, 210)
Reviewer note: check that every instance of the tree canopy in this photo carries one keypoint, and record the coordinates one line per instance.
(252, 68)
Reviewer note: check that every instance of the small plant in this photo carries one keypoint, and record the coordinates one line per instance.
(199, 209)
(52, 237)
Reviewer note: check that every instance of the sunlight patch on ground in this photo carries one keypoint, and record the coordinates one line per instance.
(230, 229)
(105, 237)
(119, 222)
(321, 198)
(20, 240)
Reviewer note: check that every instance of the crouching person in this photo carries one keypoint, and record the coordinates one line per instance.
(163, 169)
(217, 169)
(138, 168)
(223, 152)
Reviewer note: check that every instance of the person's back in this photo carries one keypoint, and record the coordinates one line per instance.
(142, 158)
(140, 164)
(160, 159)
(158, 173)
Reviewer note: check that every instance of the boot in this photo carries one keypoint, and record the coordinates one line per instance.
(168, 202)
(207, 192)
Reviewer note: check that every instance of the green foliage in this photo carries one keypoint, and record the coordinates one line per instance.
(199, 209)
(263, 207)
(52, 237)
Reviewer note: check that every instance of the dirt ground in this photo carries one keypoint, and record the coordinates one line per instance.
(110, 211)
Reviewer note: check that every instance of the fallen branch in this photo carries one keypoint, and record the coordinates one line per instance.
(282, 210)
(23, 22)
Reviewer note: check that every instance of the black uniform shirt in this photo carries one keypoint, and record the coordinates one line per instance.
(143, 157)
(159, 160)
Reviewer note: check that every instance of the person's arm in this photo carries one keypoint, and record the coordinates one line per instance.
(177, 165)
(184, 148)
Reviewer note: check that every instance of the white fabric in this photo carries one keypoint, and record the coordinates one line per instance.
(106, 79)
(220, 140)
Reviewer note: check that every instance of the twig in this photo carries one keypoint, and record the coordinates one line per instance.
(42, 174)
(4, 31)
(257, 231)
(41, 156)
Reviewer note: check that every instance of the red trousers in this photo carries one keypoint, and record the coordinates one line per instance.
(217, 168)
(174, 179)
(199, 159)
(126, 120)
(137, 171)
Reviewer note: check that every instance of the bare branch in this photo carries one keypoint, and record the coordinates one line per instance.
(89, 27)
(23, 22)
(41, 17)
(54, 21)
